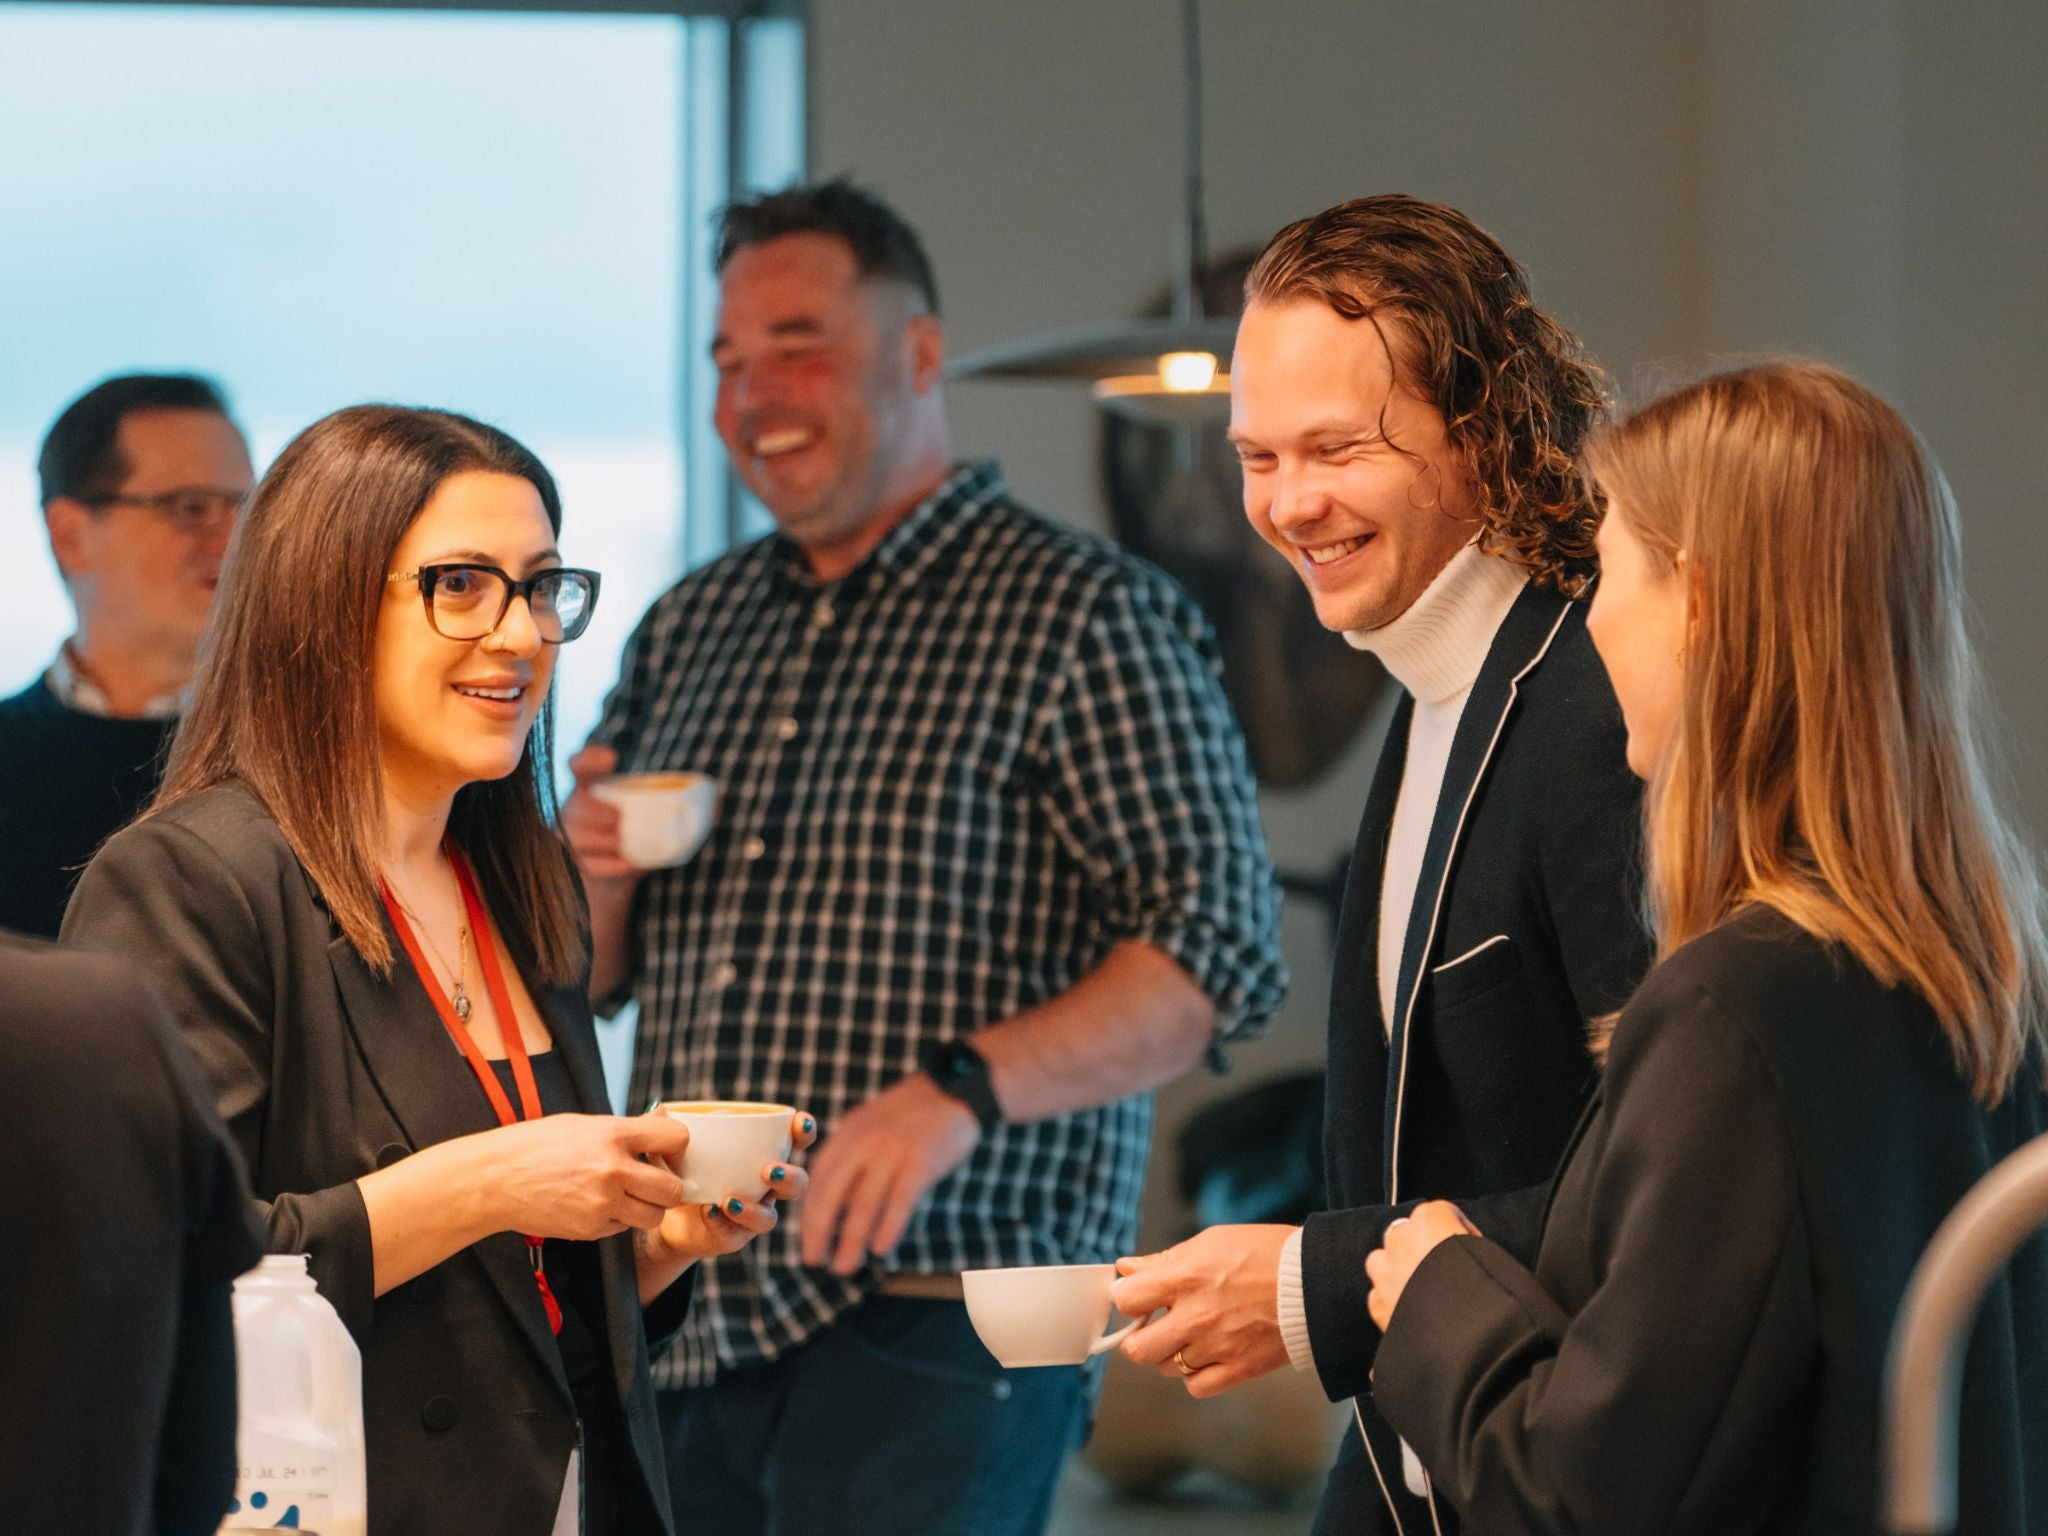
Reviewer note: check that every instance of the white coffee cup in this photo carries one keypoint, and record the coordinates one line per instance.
(1050, 1314)
(663, 817)
(731, 1142)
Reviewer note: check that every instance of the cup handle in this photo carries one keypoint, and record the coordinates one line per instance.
(1111, 1340)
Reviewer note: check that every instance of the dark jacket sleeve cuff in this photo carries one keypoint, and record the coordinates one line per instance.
(662, 1316)
(1341, 1333)
(332, 1228)
(1469, 1307)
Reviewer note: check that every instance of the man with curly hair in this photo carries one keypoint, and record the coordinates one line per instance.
(1409, 424)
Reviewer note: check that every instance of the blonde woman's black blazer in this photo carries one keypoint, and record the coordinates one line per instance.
(1699, 1347)
(325, 1071)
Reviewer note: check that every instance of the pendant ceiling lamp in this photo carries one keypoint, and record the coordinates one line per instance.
(1165, 372)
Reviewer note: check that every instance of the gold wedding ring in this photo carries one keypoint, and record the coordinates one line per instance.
(1185, 1368)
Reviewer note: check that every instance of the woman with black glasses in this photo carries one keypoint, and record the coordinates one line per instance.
(351, 895)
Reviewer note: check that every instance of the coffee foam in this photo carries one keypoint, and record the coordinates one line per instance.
(657, 783)
(682, 1107)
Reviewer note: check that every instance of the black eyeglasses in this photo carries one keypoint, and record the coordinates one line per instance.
(189, 507)
(468, 602)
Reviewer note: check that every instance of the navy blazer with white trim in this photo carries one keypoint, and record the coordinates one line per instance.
(1525, 926)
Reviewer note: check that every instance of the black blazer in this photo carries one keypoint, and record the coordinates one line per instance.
(324, 1072)
(128, 1218)
(1525, 927)
(1700, 1346)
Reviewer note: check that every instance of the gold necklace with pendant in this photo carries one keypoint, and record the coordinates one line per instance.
(459, 998)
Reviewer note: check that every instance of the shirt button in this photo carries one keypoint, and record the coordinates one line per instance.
(753, 848)
(786, 728)
(726, 974)
(822, 616)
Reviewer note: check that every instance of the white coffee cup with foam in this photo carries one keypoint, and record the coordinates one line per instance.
(663, 817)
(732, 1143)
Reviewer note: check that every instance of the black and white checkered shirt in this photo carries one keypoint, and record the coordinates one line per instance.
(951, 783)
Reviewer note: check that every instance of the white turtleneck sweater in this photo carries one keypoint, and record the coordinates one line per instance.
(1434, 650)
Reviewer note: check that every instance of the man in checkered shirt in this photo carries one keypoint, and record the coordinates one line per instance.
(987, 871)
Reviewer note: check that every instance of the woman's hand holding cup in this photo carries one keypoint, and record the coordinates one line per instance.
(691, 1230)
(582, 1177)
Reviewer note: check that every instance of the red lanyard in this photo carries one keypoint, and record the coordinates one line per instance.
(508, 1027)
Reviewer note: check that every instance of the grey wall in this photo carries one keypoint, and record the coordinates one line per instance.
(1860, 180)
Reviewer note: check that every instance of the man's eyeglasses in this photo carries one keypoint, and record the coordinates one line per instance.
(189, 508)
(468, 602)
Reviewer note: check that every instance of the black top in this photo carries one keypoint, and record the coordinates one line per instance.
(1700, 1344)
(126, 1219)
(68, 781)
(1524, 928)
(575, 1278)
(324, 1071)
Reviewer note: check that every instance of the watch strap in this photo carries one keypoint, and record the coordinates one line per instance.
(961, 1072)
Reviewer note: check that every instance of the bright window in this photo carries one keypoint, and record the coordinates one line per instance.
(503, 214)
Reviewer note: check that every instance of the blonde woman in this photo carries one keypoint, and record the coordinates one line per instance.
(1844, 1030)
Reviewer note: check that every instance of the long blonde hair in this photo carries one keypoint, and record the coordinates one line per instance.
(1827, 759)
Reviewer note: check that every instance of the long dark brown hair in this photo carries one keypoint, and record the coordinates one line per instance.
(1515, 391)
(1830, 756)
(283, 701)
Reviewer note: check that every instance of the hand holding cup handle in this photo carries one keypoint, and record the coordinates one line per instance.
(1110, 1341)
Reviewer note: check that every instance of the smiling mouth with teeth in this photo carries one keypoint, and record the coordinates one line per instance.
(772, 444)
(502, 695)
(1323, 554)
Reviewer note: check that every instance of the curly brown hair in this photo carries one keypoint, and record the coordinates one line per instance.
(1516, 392)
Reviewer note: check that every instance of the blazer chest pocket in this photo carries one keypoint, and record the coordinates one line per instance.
(1479, 969)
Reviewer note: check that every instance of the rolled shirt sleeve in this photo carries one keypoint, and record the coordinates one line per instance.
(1150, 788)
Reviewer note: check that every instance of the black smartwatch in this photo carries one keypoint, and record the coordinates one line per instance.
(961, 1072)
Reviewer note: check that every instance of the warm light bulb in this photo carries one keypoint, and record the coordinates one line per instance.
(1187, 373)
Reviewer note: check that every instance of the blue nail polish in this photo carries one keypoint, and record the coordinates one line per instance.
(735, 1205)
(777, 1175)
(711, 1210)
(810, 1125)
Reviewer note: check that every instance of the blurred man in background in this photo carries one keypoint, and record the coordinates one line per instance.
(142, 476)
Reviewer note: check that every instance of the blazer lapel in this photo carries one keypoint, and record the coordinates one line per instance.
(434, 1097)
(1520, 643)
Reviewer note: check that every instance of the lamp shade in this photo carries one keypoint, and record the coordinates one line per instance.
(1099, 351)
(1167, 373)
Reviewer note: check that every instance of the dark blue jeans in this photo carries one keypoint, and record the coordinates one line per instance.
(892, 1422)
